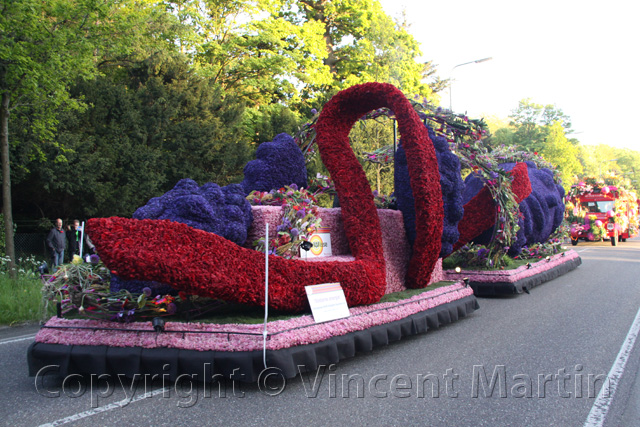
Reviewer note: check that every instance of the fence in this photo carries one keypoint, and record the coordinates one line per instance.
(30, 244)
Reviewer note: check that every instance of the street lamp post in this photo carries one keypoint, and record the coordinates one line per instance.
(477, 61)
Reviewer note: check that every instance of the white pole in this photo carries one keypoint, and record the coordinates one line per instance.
(82, 239)
(266, 295)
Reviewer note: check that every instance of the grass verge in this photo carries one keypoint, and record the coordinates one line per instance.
(20, 300)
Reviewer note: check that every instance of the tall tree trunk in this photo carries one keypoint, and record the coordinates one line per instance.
(6, 184)
(314, 11)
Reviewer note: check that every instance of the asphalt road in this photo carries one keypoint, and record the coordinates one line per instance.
(549, 353)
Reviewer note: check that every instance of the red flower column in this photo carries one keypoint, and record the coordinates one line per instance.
(358, 210)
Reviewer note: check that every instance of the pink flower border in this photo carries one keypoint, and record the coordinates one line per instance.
(282, 333)
(512, 276)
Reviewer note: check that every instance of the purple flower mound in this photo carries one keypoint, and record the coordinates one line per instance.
(278, 163)
(542, 212)
(137, 286)
(451, 183)
(220, 210)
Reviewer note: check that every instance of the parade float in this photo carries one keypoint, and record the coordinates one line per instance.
(602, 209)
(170, 279)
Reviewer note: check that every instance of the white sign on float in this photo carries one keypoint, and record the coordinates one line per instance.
(327, 302)
(321, 244)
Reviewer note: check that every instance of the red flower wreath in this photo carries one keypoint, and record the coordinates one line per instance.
(205, 264)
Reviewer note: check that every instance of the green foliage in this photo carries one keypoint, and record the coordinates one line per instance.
(2, 243)
(362, 44)
(263, 123)
(559, 151)
(145, 130)
(368, 136)
(48, 45)
(260, 59)
(113, 102)
(20, 300)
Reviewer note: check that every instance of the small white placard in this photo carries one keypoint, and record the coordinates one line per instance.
(321, 241)
(327, 302)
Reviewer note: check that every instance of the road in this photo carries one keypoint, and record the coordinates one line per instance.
(549, 353)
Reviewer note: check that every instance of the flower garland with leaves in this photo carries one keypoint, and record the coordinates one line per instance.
(321, 184)
(551, 247)
(504, 154)
(471, 255)
(83, 290)
(475, 156)
(299, 219)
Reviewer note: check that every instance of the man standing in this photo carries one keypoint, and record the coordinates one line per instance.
(73, 236)
(55, 242)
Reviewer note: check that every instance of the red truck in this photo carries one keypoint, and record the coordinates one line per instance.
(609, 211)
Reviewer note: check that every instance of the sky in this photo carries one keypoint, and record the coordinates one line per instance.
(581, 56)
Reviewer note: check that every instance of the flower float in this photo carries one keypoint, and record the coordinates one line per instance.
(593, 203)
(209, 265)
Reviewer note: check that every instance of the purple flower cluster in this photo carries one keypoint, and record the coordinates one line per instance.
(278, 163)
(451, 183)
(220, 210)
(543, 210)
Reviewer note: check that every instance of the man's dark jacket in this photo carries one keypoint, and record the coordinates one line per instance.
(56, 240)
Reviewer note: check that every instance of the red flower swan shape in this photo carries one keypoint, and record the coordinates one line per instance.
(206, 264)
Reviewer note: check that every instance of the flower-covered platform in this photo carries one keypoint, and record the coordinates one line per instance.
(521, 279)
(80, 346)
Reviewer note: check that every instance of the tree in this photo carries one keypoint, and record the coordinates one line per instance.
(529, 120)
(588, 158)
(363, 44)
(43, 47)
(368, 136)
(629, 163)
(559, 151)
(146, 128)
(248, 50)
(263, 123)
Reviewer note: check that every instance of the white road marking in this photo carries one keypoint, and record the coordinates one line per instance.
(17, 339)
(109, 407)
(603, 402)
